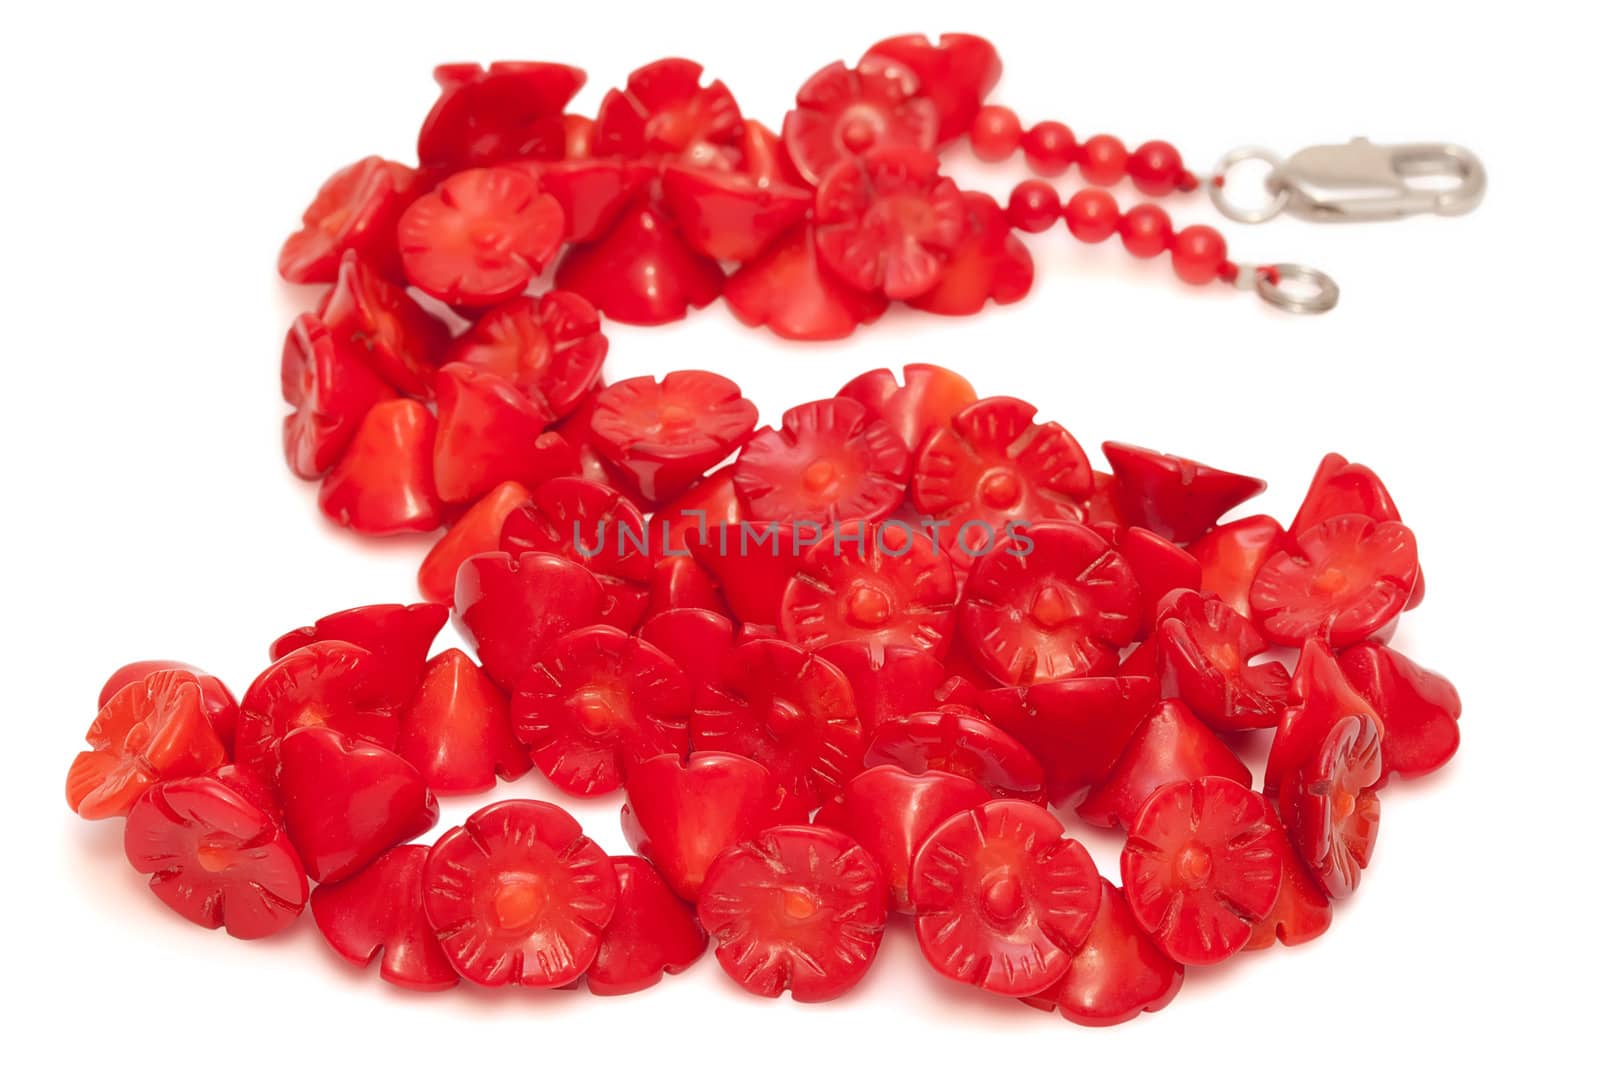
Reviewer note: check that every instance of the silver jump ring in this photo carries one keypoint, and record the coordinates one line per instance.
(1217, 185)
(1322, 295)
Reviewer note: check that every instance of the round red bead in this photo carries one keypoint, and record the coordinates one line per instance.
(1091, 215)
(1034, 206)
(1146, 231)
(996, 132)
(1156, 168)
(1050, 148)
(1103, 160)
(1198, 254)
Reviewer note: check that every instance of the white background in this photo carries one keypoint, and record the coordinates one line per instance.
(154, 161)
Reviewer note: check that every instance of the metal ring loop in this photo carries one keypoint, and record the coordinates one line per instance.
(1280, 191)
(1323, 296)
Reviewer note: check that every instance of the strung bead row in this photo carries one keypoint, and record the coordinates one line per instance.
(1199, 253)
(1155, 167)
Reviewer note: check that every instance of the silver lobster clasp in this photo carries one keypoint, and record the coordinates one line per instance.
(1358, 182)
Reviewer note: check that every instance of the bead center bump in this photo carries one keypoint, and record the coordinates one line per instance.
(1002, 897)
(518, 901)
(799, 904)
(1194, 865)
(1000, 490)
(819, 476)
(868, 607)
(1051, 607)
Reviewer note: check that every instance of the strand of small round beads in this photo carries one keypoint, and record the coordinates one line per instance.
(1199, 253)
(1050, 148)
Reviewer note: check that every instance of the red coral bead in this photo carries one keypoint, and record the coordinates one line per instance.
(666, 434)
(397, 635)
(1002, 898)
(641, 270)
(727, 216)
(786, 708)
(788, 291)
(1103, 160)
(356, 209)
(842, 112)
(221, 708)
(689, 516)
(380, 910)
(1320, 695)
(1172, 745)
(682, 816)
(383, 484)
(930, 398)
(326, 683)
(1146, 231)
(488, 433)
(887, 221)
(376, 320)
(1205, 649)
(1076, 727)
(595, 526)
(480, 237)
(519, 896)
(664, 113)
(1340, 487)
(1156, 168)
(696, 639)
(1344, 580)
(331, 389)
(346, 802)
(550, 348)
(766, 161)
(995, 133)
(1054, 601)
(797, 908)
(1175, 497)
(957, 742)
(1091, 215)
(597, 703)
(956, 73)
(1118, 973)
(891, 587)
(891, 682)
(993, 468)
(1231, 555)
(507, 111)
(1158, 565)
(988, 263)
(154, 728)
(1202, 864)
(1034, 206)
(593, 193)
(753, 563)
(831, 461)
(456, 729)
(512, 607)
(1050, 148)
(891, 812)
(679, 582)
(1302, 912)
(1198, 254)
(216, 856)
(652, 933)
(1417, 708)
(1331, 807)
(476, 531)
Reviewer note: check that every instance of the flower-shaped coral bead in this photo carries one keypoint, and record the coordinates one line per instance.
(519, 896)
